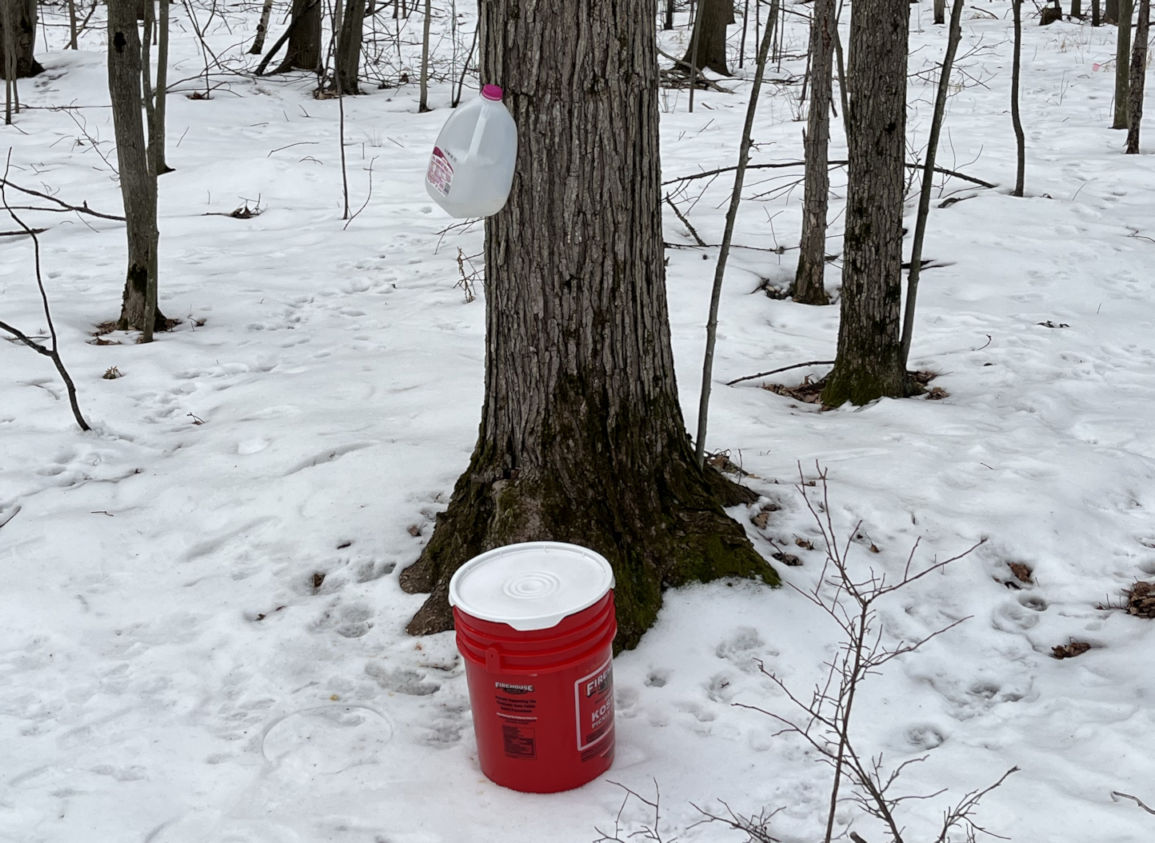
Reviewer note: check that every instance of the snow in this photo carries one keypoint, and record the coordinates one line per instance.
(201, 632)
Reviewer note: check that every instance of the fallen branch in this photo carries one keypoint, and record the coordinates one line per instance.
(700, 77)
(781, 369)
(64, 206)
(1115, 795)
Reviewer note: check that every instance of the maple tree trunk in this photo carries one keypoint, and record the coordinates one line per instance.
(868, 364)
(582, 438)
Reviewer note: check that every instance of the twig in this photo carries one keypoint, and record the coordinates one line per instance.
(781, 369)
(52, 352)
(4, 521)
(699, 77)
(368, 196)
(776, 165)
(1116, 795)
(685, 222)
(80, 209)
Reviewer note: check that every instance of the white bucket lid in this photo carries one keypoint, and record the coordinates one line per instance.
(533, 585)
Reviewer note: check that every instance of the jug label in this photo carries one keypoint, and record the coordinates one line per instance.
(594, 696)
(440, 173)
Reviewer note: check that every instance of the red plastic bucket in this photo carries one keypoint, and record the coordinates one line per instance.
(535, 625)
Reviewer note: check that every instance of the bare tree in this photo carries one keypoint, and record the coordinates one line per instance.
(347, 60)
(1138, 77)
(18, 37)
(262, 29)
(809, 279)
(139, 310)
(52, 351)
(1123, 65)
(868, 364)
(423, 98)
(851, 597)
(1016, 120)
(304, 37)
(954, 35)
(708, 41)
(582, 437)
(744, 147)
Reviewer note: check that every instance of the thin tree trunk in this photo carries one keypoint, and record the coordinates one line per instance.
(423, 98)
(939, 12)
(843, 88)
(156, 121)
(1096, 18)
(262, 29)
(8, 57)
(727, 237)
(1016, 121)
(868, 364)
(1123, 65)
(581, 437)
(809, 279)
(954, 35)
(348, 59)
(1138, 76)
(137, 185)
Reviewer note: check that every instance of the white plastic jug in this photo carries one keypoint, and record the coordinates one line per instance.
(471, 168)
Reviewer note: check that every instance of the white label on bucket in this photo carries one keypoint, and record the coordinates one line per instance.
(440, 173)
(594, 698)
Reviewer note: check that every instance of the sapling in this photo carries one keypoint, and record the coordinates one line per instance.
(53, 350)
(827, 717)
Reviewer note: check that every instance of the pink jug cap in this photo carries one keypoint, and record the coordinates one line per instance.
(492, 92)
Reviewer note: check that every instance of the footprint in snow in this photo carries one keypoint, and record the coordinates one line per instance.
(742, 648)
(401, 680)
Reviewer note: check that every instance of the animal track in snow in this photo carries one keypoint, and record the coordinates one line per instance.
(741, 648)
(401, 680)
(657, 678)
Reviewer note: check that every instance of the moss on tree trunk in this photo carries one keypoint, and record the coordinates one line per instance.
(582, 439)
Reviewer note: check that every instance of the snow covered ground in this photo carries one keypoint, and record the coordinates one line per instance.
(201, 632)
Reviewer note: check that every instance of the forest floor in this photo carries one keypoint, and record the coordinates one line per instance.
(201, 631)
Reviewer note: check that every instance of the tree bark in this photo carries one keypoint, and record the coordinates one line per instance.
(809, 279)
(1138, 77)
(348, 59)
(137, 184)
(262, 29)
(304, 51)
(1123, 65)
(21, 40)
(1016, 119)
(868, 364)
(423, 96)
(708, 41)
(582, 438)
